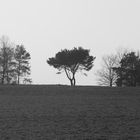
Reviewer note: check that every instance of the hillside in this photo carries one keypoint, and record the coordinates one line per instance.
(40, 112)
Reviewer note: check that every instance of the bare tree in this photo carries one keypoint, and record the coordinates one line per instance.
(106, 75)
(6, 60)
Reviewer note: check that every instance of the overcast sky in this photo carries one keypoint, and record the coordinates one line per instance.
(45, 27)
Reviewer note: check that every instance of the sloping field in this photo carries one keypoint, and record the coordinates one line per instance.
(66, 113)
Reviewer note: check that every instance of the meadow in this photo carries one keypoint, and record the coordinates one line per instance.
(53, 112)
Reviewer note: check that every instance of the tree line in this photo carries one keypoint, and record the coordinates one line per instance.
(14, 63)
(120, 69)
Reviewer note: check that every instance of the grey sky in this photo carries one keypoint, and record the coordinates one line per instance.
(47, 26)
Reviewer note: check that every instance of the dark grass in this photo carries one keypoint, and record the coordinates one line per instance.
(40, 112)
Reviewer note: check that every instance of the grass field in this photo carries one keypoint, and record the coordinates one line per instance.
(66, 113)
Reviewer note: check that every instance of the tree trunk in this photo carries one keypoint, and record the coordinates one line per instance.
(8, 78)
(121, 79)
(71, 82)
(2, 80)
(18, 79)
(110, 83)
(3, 77)
(19, 72)
(74, 81)
(110, 77)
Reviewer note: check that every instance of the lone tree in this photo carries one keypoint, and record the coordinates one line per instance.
(72, 61)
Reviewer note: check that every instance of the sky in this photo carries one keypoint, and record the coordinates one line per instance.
(45, 27)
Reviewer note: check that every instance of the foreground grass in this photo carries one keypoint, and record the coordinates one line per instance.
(65, 113)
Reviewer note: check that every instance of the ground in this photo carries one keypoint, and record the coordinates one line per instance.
(69, 113)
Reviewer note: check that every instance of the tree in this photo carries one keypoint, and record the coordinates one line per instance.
(14, 62)
(6, 60)
(120, 54)
(72, 61)
(27, 81)
(128, 73)
(106, 75)
(22, 58)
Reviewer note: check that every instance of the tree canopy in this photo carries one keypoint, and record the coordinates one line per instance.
(22, 58)
(128, 73)
(14, 62)
(72, 61)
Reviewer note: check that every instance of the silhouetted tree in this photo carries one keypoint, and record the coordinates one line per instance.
(22, 58)
(106, 75)
(72, 61)
(128, 73)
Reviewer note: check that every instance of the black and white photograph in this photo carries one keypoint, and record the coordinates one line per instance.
(69, 69)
